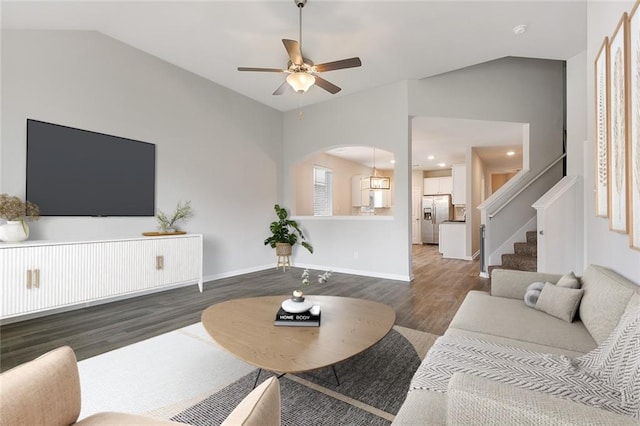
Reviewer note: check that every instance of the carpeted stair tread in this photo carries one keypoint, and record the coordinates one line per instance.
(519, 262)
(526, 249)
(532, 237)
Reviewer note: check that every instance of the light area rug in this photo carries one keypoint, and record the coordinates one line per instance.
(184, 375)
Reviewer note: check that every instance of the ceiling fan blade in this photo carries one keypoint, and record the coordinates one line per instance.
(338, 65)
(281, 89)
(329, 87)
(260, 69)
(293, 49)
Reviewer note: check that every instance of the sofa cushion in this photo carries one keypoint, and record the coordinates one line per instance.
(260, 408)
(45, 391)
(422, 407)
(569, 281)
(512, 319)
(512, 342)
(606, 295)
(476, 400)
(558, 301)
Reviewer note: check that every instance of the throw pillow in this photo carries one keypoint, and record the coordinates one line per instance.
(559, 302)
(568, 281)
(532, 293)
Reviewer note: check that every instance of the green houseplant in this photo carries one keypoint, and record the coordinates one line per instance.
(181, 215)
(285, 232)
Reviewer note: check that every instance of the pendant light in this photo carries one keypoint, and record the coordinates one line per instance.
(376, 180)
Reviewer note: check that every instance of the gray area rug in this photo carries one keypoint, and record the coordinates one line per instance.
(378, 378)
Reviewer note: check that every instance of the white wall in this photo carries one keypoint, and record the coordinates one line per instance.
(377, 118)
(216, 148)
(576, 140)
(604, 247)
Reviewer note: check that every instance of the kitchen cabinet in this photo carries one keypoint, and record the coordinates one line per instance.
(459, 190)
(453, 240)
(356, 193)
(438, 185)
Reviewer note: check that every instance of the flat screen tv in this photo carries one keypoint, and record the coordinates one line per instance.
(74, 172)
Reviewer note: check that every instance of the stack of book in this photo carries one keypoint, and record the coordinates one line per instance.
(310, 318)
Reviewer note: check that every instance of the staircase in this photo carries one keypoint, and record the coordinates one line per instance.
(525, 257)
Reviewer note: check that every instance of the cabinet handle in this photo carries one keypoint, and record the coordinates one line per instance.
(159, 262)
(29, 279)
(36, 278)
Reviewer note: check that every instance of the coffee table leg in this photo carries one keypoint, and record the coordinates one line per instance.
(257, 377)
(277, 376)
(335, 374)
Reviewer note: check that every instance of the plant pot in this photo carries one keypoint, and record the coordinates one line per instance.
(14, 231)
(283, 249)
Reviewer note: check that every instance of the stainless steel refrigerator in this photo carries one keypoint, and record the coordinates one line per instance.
(435, 210)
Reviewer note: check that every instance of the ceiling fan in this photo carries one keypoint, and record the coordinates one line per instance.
(302, 71)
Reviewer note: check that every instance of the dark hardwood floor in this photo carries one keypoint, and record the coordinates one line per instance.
(428, 303)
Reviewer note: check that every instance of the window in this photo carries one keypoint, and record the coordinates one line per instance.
(322, 191)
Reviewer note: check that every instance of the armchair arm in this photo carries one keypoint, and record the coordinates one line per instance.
(513, 284)
(476, 400)
(45, 391)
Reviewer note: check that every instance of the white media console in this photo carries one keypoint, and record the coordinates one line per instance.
(38, 277)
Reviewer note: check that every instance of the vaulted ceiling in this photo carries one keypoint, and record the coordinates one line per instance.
(396, 40)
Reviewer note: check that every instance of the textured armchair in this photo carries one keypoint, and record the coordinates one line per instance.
(46, 391)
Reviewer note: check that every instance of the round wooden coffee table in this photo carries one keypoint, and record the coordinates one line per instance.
(245, 328)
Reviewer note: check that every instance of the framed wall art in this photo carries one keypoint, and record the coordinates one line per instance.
(602, 128)
(633, 172)
(618, 128)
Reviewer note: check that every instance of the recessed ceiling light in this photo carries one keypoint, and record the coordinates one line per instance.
(519, 29)
(511, 153)
(441, 164)
(393, 161)
(431, 157)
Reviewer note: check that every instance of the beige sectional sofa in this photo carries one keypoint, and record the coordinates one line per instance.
(502, 317)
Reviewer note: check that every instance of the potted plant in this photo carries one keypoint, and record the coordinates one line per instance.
(285, 233)
(16, 212)
(181, 215)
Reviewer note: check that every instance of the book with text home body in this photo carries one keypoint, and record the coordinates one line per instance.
(310, 318)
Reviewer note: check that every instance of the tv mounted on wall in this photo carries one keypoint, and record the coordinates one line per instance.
(74, 172)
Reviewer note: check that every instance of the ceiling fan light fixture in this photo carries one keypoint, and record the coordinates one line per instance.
(300, 81)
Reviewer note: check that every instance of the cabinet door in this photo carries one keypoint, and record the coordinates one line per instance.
(382, 198)
(356, 192)
(459, 194)
(446, 184)
(139, 265)
(431, 186)
(42, 277)
(438, 185)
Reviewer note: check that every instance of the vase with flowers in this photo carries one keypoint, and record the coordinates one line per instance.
(16, 213)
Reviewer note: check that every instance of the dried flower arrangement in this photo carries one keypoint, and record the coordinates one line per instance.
(322, 278)
(181, 215)
(13, 208)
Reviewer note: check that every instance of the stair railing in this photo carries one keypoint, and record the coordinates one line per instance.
(497, 241)
(514, 196)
